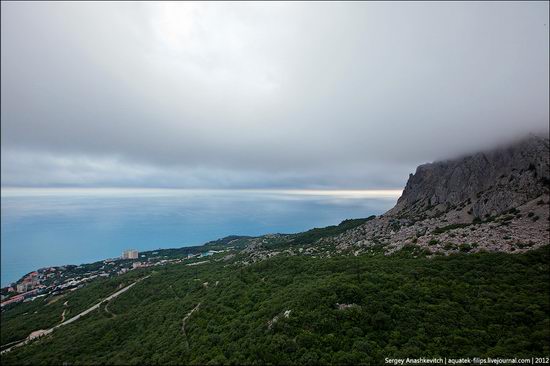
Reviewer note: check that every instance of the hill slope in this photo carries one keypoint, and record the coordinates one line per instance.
(302, 310)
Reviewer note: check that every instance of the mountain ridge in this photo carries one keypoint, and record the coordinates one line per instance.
(521, 171)
(497, 200)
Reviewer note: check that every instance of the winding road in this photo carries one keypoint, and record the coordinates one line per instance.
(42, 332)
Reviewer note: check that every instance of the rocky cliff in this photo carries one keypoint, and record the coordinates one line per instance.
(495, 181)
(495, 200)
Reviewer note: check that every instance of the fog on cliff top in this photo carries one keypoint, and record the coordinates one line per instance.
(263, 95)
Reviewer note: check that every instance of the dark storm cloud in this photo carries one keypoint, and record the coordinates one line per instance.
(263, 94)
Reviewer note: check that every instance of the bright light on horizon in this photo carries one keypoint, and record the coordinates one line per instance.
(346, 193)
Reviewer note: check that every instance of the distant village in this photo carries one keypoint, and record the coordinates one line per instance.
(56, 280)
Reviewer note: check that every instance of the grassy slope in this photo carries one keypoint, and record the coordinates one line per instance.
(463, 305)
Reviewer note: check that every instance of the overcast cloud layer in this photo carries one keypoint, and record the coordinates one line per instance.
(245, 95)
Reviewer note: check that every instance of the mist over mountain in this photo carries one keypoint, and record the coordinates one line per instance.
(497, 180)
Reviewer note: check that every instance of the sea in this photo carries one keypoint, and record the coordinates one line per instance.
(42, 227)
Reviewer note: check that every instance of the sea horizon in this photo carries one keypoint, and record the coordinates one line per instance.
(62, 226)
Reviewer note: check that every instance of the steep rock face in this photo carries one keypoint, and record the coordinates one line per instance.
(491, 182)
(496, 201)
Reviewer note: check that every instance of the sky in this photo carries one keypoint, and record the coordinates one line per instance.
(267, 95)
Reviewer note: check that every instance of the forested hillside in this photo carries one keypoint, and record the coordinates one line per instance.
(304, 310)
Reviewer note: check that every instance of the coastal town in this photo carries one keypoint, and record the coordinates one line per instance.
(51, 281)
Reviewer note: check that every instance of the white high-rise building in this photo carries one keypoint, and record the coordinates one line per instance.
(130, 254)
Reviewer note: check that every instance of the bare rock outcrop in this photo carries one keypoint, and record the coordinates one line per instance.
(495, 201)
(491, 182)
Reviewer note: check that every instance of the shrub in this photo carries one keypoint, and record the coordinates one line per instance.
(465, 248)
(448, 246)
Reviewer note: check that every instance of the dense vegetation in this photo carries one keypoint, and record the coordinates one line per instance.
(21, 319)
(485, 304)
(311, 236)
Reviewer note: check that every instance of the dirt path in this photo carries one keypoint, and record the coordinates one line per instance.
(65, 304)
(175, 293)
(109, 311)
(185, 321)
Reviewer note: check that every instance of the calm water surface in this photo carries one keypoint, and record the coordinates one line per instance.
(48, 227)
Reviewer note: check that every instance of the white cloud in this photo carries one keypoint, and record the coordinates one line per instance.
(221, 94)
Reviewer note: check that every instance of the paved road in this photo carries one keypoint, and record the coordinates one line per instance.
(42, 332)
